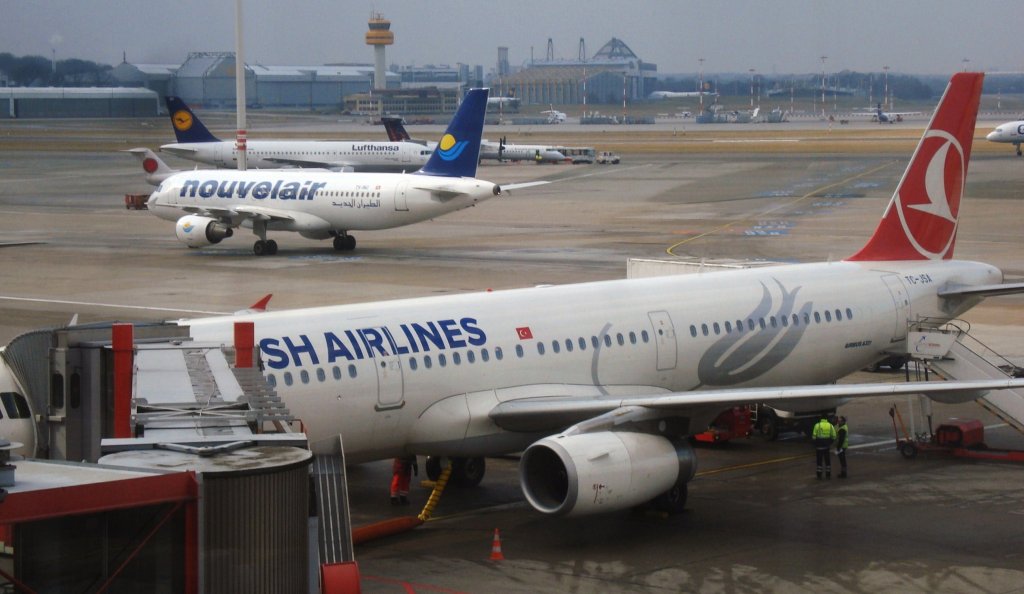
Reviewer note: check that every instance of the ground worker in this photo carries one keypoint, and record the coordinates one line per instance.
(842, 443)
(401, 473)
(823, 435)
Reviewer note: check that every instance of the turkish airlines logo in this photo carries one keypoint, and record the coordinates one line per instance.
(929, 199)
(524, 333)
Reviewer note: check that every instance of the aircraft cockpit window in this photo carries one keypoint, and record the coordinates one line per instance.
(15, 405)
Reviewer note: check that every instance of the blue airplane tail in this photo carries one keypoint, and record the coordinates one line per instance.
(186, 125)
(458, 151)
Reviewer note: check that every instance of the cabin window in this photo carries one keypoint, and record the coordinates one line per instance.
(485, 356)
(632, 338)
(568, 345)
(304, 376)
(470, 357)
(272, 380)
(839, 316)
(784, 320)
(351, 370)
(717, 328)
(498, 353)
(413, 364)
(828, 316)
(607, 340)
(442, 360)
(321, 375)
(773, 321)
(807, 318)
(704, 329)
(427, 362)
(750, 324)
(645, 336)
(336, 372)
(728, 327)
(619, 339)
(519, 351)
(760, 322)
(540, 348)
(288, 378)
(583, 344)
(555, 346)
(817, 318)
(739, 325)
(849, 313)
(796, 320)
(594, 342)
(456, 358)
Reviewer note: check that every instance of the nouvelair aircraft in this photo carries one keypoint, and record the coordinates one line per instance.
(498, 151)
(208, 204)
(196, 143)
(1011, 132)
(600, 383)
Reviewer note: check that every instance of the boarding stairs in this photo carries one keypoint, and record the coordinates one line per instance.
(949, 350)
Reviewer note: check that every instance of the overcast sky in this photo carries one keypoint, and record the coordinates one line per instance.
(783, 36)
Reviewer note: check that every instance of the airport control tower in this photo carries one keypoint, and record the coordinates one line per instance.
(378, 36)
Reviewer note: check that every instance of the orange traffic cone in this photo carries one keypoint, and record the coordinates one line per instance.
(496, 547)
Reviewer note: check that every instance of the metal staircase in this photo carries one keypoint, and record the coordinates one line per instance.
(949, 350)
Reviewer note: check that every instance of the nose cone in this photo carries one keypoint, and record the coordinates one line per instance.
(993, 135)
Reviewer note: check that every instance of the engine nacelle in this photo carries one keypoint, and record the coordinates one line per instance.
(197, 231)
(601, 472)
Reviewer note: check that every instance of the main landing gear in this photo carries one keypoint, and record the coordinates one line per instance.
(263, 246)
(344, 243)
(466, 472)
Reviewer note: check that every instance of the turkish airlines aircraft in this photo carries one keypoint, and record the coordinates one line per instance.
(1010, 132)
(197, 143)
(601, 383)
(208, 204)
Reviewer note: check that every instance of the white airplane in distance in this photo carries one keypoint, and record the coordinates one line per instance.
(601, 383)
(677, 94)
(208, 204)
(554, 116)
(1010, 132)
(196, 143)
(496, 151)
(886, 117)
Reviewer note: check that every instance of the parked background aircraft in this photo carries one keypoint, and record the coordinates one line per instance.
(497, 151)
(1010, 132)
(207, 205)
(677, 94)
(196, 143)
(600, 383)
(554, 116)
(887, 117)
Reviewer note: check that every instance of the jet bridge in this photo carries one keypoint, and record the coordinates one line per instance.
(950, 351)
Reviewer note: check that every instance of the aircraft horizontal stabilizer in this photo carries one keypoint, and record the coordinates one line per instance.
(442, 193)
(510, 187)
(533, 414)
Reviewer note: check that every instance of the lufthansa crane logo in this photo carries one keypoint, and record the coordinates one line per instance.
(182, 120)
(929, 201)
(449, 149)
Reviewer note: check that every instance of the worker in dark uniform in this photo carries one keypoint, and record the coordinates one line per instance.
(842, 443)
(402, 469)
(823, 435)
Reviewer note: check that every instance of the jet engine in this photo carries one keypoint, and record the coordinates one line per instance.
(591, 473)
(197, 231)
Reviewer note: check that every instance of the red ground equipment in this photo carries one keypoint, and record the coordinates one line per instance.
(963, 438)
(733, 423)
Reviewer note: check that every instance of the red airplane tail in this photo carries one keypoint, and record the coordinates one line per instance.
(921, 220)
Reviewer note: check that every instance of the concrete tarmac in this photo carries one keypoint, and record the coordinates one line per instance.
(756, 520)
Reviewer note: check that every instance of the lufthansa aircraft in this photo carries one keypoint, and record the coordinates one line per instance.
(1010, 132)
(601, 383)
(208, 204)
(497, 151)
(196, 143)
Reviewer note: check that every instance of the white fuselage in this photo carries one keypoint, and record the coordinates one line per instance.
(420, 375)
(1010, 132)
(318, 201)
(521, 152)
(336, 154)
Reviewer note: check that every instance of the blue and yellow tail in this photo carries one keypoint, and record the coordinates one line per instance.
(458, 151)
(187, 127)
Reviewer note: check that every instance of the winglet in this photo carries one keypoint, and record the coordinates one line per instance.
(458, 151)
(186, 125)
(258, 307)
(920, 222)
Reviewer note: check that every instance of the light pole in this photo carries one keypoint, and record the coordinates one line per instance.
(885, 88)
(751, 88)
(700, 86)
(823, 58)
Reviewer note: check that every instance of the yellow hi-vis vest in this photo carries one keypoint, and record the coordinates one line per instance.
(824, 430)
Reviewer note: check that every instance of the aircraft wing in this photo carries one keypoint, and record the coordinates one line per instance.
(601, 412)
(983, 290)
(297, 220)
(312, 164)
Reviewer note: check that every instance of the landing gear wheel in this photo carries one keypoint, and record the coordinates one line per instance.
(468, 472)
(768, 429)
(344, 243)
(673, 501)
(433, 467)
(260, 248)
(271, 247)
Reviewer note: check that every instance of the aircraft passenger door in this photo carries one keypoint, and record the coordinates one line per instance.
(901, 303)
(390, 382)
(400, 196)
(664, 339)
(406, 154)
